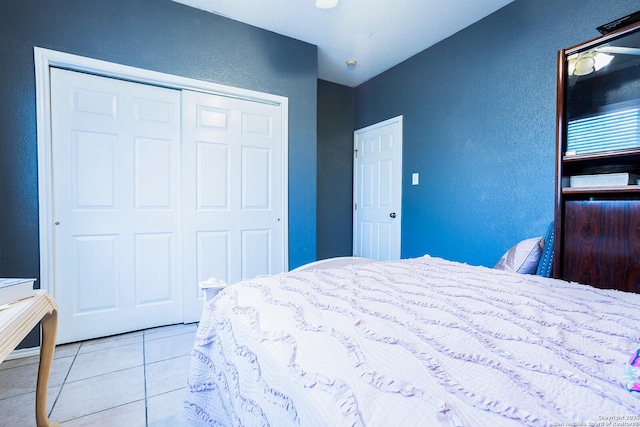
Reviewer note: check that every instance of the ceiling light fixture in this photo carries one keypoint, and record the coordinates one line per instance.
(584, 63)
(326, 4)
(351, 62)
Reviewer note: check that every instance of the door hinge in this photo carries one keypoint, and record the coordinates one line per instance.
(356, 151)
(356, 207)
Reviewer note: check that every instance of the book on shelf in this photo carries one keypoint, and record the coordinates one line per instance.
(15, 289)
(603, 180)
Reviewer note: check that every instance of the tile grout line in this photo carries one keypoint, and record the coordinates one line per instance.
(144, 374)
(102, 347)
(64, 381)
(102, 411)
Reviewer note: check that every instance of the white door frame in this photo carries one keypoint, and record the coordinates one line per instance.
(397, 173)
(45, 58)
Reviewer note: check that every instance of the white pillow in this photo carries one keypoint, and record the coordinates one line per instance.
(523, 257)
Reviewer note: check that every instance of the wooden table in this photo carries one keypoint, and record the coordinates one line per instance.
(16, 322)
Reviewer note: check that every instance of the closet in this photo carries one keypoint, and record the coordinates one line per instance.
(154, 189)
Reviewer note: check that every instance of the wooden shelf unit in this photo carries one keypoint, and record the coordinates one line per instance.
(597, 229)
(627, 189)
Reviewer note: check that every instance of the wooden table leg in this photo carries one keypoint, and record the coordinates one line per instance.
(49, 326)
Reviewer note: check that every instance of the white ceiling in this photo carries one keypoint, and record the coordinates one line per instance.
(378, 34)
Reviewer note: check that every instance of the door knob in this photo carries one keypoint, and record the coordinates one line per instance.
(392, 214)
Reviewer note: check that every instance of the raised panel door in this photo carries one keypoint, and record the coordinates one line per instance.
(115, 152)
(232, 198)
(378, 191)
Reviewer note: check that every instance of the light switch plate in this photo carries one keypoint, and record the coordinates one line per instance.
(415, 178)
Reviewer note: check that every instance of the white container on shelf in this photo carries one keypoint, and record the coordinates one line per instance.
(603, 180)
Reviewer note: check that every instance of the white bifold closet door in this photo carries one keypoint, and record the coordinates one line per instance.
(148, 203)
(232, 192)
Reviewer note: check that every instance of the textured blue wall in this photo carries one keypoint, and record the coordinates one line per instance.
(158, 35)
(336, 111)
(479, 127)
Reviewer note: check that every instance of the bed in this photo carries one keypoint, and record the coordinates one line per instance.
(416, 342)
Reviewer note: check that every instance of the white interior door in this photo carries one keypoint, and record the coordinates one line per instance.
(116, 208)
(232, 187)
(377, 182)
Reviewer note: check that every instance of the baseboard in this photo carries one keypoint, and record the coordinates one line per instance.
(23, 352)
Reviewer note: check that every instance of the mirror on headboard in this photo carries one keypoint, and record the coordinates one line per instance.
(603, 95)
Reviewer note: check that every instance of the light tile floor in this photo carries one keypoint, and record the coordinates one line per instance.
(130, 380)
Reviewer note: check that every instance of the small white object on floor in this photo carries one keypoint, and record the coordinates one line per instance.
(211, 287)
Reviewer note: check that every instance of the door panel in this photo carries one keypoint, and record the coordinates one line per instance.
(153, 261)
(213, 175)
(96, 269)
(212, 255)
(385, 239)
(256, 178)
(232, 194)
(115, 151)
(256, 252)
(93, 156)
(153, 167)
(378, 190)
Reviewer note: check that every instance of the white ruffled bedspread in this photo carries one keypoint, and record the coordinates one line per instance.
(418, 342)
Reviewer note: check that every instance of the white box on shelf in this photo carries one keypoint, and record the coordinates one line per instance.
(603, 180)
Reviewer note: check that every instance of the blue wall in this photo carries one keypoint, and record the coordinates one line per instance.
(158, 35)
(336, 111)
(479, 127)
